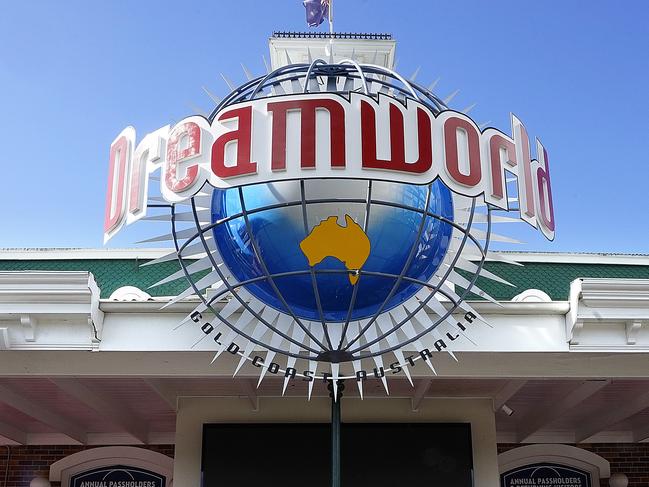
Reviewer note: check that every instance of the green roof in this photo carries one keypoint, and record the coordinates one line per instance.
(110, 274)
(553, 278)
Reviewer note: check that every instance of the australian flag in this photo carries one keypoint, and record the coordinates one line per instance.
(316, 11)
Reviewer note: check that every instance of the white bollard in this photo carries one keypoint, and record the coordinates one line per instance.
(618, 480)
(40, 482)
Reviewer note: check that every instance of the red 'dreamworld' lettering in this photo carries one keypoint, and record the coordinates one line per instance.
(119, 160)
(243, 136)
(451, 127)
(184, 143)
(546, 207)
(497, 143)
(397, 161)
(307, 110)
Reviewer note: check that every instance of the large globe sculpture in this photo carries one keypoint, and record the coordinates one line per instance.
(263, 227)
(313, 257)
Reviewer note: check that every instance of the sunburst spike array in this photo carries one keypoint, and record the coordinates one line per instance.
(413, 76)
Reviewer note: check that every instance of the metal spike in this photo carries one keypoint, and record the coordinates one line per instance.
(335, 369)
(472, 267)
(357, 367)
(228, 82)
(248, 74)
(308, 53)
(165, 258)
(450, 97)
(413, 76)
(266, 64)
(484, 124)
(198, 309)
(200, 265)
(198, 111)
(288, 58)
(313, 368)
(214, 98)
(469, 108)
(209, 280)
(432, 86)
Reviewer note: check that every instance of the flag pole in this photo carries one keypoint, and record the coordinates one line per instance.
(331, 18)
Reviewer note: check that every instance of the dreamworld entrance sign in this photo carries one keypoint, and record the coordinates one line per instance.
(334, 138)
(337, 213)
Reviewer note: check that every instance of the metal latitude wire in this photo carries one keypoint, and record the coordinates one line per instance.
(295, 75)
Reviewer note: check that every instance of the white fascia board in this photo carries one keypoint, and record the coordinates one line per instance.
(609, 314)
(576, 258)
(50, 310)
(149, 253)
(514, 327)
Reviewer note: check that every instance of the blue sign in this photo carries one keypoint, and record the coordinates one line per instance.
(117, 476)
(547, 474)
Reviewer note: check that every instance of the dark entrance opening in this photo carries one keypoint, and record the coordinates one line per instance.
(376, 455)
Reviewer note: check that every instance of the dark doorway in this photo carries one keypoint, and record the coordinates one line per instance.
(376, 455)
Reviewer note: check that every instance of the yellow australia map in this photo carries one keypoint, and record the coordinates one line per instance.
(348, 244)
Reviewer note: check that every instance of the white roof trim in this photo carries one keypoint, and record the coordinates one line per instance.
(578, 258)
(143, 253)
(77, 254)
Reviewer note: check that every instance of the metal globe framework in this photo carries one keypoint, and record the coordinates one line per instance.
(349, 341)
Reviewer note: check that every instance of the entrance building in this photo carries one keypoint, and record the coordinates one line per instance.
(108, 381)
(94, 375)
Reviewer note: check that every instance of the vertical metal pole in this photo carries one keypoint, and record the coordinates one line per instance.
(335, 432)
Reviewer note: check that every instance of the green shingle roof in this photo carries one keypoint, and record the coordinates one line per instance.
(110, 274)
(552, 278)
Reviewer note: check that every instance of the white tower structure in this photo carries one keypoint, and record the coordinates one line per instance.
(296, 47)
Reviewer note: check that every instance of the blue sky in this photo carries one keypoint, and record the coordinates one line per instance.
(73, 74)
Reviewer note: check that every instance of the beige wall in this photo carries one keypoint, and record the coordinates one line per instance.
(194, 412)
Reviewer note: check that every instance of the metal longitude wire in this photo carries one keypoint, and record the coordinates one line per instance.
(295, 75)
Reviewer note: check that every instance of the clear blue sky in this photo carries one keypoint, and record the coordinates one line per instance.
(74, 73)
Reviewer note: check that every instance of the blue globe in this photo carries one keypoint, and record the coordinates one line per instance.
(266, 241)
